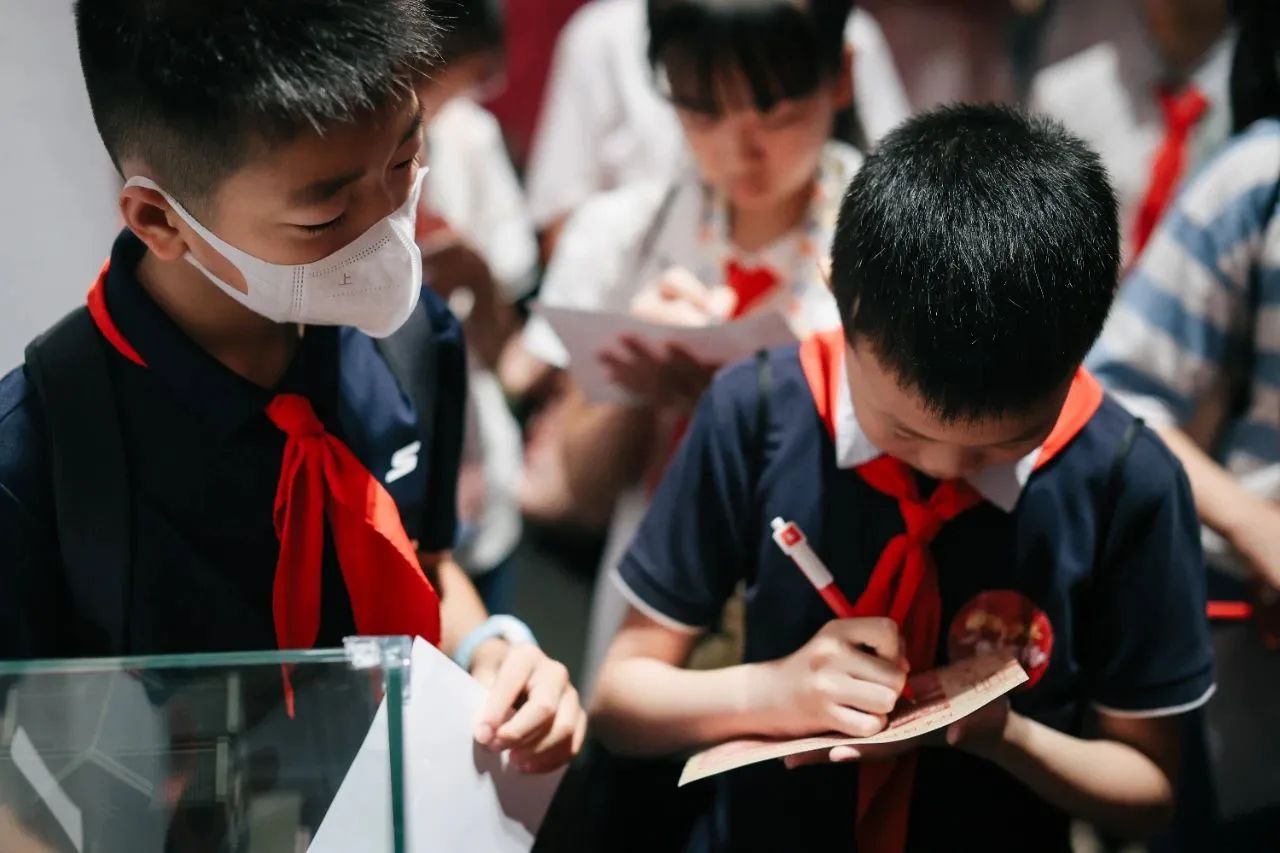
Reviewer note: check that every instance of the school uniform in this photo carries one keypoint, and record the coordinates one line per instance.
(1151, 132)
(473, 186)
(207, 454)
(620, 242)
(1086, 568)
(605, 124)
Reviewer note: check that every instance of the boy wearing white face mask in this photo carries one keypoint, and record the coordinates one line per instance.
(263, 472)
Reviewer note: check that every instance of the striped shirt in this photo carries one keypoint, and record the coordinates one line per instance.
(1202, 308)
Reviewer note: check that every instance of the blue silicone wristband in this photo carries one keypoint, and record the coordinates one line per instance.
(507, 627)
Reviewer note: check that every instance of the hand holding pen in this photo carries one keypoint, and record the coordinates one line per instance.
(791, 539)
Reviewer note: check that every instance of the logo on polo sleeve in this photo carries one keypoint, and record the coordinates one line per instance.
(1003, 620)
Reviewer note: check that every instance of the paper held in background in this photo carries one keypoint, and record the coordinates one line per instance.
(943, 696)
(589, 334)
(458, 795)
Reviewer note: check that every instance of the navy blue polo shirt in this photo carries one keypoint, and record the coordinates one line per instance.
(1107, 563)
(205, 461)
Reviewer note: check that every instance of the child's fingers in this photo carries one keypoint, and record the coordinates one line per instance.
(805, 759)
(631, 375)
(546, 688)
(881, 633)
(510, 682)
(639, 351)
(841, 754)
(835, 755)
(690, 376)
(853, 723)
(561, 743)
(862, 695)
(680, 284)
(681, 303)
(865, 666)
(680, 358)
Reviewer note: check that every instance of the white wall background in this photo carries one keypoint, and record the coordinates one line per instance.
(57, 185)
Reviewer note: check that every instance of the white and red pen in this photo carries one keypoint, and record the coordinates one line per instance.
(791, 539)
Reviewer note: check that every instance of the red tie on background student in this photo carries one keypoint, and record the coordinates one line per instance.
(751, 286)
(904, 584)
(321, 478)
(1181, 110)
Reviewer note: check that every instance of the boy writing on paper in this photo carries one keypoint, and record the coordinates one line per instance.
(957, 470)
(260, 473)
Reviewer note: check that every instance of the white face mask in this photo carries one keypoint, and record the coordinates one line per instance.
(372, 283)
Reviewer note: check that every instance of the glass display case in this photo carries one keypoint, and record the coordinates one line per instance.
(230, 753)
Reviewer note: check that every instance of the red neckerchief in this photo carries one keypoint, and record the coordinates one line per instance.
(750, 286)
(1181, 111)
(321, 478)
(904, 582)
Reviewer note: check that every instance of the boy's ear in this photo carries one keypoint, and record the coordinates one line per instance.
(148, 215)
(845, 82)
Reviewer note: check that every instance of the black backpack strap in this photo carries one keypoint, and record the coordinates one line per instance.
(760, 444)
(764, 396)
(68, 367)
(411, 353)
(1130, 437)
(1114, 483)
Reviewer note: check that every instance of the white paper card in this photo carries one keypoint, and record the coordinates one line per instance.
(459, 796)
(589, 334)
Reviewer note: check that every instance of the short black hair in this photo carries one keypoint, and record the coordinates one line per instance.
(468, 27)
(189, 86)
(785, 48)
(1255, 66)
(977, 252)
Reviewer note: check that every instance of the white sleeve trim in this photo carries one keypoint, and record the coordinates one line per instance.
(649, 610)
(1153, 713)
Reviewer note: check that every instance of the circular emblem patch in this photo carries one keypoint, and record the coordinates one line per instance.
(1003, 620)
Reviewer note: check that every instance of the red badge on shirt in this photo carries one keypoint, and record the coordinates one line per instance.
(1003, 620)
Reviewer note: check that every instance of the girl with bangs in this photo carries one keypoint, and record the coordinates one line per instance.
(757, 86)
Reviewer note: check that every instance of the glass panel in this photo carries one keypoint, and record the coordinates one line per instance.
(233, 753)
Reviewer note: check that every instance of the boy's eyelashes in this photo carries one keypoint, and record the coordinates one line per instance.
(333, 223)
(325, 226)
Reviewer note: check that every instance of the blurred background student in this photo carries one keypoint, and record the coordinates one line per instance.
(479, 252)
(1101, 66)
(1193, 347)
(1152, 100)
(606, 124)
(756, 87)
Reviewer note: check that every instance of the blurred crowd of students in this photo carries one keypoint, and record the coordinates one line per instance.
(687, 162)
(629, 191)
